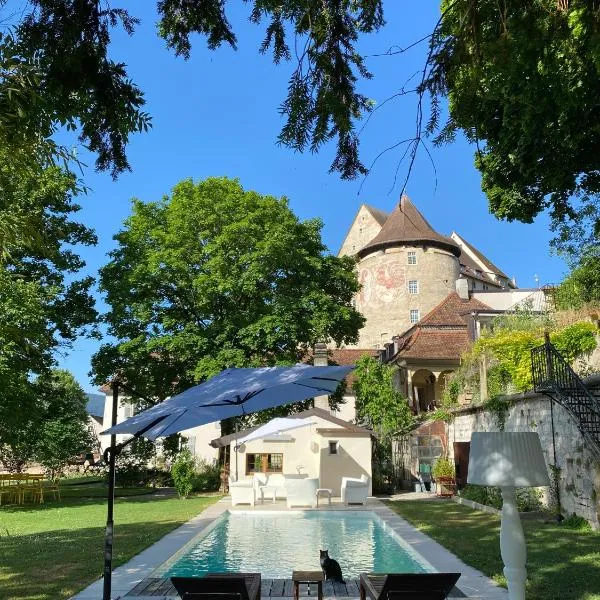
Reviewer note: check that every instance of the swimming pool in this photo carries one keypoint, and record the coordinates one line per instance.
(274, 544)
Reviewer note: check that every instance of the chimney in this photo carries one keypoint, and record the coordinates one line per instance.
(462, 288)
(320, 360)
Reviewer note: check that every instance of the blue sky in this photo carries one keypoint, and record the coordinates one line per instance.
(217, 115)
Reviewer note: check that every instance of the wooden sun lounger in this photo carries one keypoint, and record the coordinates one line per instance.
(219, 586)
(407, 586)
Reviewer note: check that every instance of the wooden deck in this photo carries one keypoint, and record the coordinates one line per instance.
(270, 588)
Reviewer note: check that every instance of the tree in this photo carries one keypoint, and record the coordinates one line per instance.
(45, 419)
(582, 285)
(43, 305)
(63, 421)
(509, 71)
(522, 81)
(378, 403)
(214, 276)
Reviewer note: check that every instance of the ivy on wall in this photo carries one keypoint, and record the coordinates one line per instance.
(506, 351)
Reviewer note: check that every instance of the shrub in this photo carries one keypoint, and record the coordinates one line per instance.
(207, 477)
(578, 523)
(443, 467)
(183, 472)
(528, 499)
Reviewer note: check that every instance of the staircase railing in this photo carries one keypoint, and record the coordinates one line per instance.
(553, 376)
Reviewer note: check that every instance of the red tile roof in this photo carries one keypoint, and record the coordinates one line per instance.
(443, 333)
(349, 356)
(451, 311)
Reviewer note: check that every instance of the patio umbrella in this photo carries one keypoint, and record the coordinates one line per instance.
(275, 427)
(232, 393)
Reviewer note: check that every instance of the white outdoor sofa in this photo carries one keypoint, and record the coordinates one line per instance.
(302, 492)
(355, 490)
(242, 492)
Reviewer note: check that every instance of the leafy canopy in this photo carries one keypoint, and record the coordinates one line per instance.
(47, 422)
(523, 81)
(214, 276)
(44, 305)
(378, 403)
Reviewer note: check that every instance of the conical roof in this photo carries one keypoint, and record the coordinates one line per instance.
(407, 226)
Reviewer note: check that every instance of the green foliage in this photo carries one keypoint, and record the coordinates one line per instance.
(511, 71)
(577, 523)
(511, 349)
(55, 71)
(65, 44)
(44, 306)
(378, 403)
(442, 467)
(45, 421)
(383, 467)
(183, 473)
(582, 284)
(207, 477)
(214, 276)
(452, 391)
(63, 431)
(528, 499)
(498, 406)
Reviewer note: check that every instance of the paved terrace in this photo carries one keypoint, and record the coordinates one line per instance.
(135, 580)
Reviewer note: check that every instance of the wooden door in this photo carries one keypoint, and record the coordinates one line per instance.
(461, 462)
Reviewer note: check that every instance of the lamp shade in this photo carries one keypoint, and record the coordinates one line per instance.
(507, 459)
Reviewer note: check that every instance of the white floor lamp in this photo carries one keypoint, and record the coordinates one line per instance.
(509, 460)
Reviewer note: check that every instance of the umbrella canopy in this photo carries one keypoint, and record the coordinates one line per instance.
(232, 393)
(274, 427)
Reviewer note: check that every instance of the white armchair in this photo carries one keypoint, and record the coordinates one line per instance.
(301, 492)
(355, 490)
(242, 492)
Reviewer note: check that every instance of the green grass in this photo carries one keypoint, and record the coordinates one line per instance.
(562, 564)
(52, 551)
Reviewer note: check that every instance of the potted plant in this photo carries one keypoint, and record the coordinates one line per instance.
(443, 473)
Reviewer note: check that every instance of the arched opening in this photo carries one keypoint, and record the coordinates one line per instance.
(423, 383)
(441, 384)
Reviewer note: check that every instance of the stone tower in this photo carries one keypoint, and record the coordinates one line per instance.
(404, 266)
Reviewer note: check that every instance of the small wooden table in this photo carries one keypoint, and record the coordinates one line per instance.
(308, 577)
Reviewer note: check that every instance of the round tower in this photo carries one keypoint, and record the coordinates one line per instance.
(405, 271)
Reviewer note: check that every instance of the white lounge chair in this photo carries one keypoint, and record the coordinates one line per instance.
(301, 492)
(242, 492)
(355, 490)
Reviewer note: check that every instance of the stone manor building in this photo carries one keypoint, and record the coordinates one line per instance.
(420, 297)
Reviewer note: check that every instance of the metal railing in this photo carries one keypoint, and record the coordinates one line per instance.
(553, 376)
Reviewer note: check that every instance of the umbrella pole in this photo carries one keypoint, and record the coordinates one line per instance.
(110, 455)
(235, 448)
(108, 533)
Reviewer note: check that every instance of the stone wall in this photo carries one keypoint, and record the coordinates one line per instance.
(580, 471)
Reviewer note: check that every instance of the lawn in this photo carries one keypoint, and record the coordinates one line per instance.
(52, 551)
(562, 564)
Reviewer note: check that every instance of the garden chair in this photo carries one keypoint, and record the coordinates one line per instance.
(407, 586)
(242, 492)
(355, 490)
(219, 586)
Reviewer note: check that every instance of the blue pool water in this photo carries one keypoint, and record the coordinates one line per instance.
(274, 544)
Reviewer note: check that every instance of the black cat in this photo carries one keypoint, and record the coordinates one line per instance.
(331, 568)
